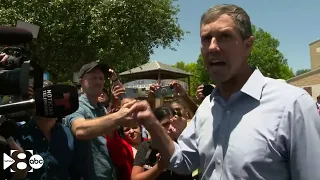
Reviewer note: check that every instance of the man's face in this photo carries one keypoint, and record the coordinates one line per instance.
(92, 82)
(166, 124)
(223, 50)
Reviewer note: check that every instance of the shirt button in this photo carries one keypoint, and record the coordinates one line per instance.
(228, 112)
(219, 161)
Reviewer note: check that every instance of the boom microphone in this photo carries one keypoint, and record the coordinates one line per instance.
(52, 102)
(13, 36)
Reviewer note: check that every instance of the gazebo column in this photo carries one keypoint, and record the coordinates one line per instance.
(159, 101)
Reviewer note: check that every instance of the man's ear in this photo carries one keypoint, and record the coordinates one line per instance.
(248, 45)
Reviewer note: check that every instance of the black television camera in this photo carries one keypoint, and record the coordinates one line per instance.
(16, 71)
(16, 68)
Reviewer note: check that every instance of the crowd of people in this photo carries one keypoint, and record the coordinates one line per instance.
(249, 127)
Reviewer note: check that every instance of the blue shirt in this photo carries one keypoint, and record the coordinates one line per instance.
(93, 161)
(56, 153)
(269, 130)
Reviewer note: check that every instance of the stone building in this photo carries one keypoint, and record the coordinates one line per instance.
(310, 81)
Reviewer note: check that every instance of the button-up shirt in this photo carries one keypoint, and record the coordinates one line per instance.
(56, 153)
(92, 156)
(269, 130)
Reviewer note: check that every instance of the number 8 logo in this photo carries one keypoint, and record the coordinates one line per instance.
(21, 165)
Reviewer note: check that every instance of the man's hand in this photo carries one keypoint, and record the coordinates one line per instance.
(151, 93)
(30, 91)
(3, 58)
(126, 115)
(117, 91)
(143, 114)
(199, 94)
(162, 165)
(180, 91)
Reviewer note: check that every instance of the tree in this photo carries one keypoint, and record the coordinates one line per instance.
(266, 56)
(302, 71)
(204, 77)
(194, 79)
(121, 33)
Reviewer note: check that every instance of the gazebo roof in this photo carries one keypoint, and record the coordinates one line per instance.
(152, 69)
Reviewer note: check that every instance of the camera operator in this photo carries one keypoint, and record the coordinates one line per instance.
(52, 141)
(90, 123)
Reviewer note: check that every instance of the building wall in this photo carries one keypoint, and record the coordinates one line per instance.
(310, 83)
(315, 54)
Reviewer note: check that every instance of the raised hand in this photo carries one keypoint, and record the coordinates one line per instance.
(126, 115)
(142, 113)
(117, 91)
(180, 91)
(199, 94)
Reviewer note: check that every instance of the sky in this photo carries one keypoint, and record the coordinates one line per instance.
(294, 23)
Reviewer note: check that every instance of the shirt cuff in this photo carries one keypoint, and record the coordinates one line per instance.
(176, 158)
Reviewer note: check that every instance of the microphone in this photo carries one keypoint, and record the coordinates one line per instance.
(13, 36)
(53, 101)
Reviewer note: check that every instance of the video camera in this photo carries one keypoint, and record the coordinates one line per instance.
(16, 68)
(18, 72)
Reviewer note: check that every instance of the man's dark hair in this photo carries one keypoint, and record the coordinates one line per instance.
(163, 112)
(239, 16)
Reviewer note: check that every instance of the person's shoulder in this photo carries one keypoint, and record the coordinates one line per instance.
(287, 96)
(145, 145)
(283, 90)
(65, 129)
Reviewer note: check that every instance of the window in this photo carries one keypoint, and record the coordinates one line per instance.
(318, 49)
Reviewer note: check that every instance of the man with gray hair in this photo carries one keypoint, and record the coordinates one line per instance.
(251, 126)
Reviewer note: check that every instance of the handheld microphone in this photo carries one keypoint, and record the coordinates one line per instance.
(52, 102)
(13, 36)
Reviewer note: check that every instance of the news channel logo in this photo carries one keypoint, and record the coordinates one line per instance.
(35, 161)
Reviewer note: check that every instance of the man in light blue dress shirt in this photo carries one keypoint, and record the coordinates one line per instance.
(251, 126)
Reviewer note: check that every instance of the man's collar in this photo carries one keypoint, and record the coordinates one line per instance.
(84, 99)
(254, 85)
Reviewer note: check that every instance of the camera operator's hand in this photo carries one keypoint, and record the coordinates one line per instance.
(19, 174)
(117, 91)
(151, 94)
(3, 58)
(30, 91)
(199, 94)
(179, 90)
